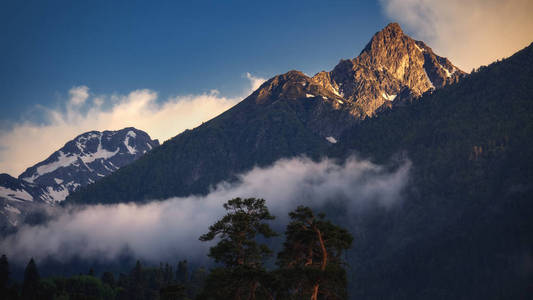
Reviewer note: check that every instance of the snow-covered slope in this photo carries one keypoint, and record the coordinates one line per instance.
(83, 160)
(86, 159)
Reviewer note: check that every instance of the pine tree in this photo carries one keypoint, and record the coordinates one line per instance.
(4, 276)
(168, 274)
(109, 279)
(137, 282)
(30, 285)
(311, 261)
(182, 272)
(238, 250)
(197, 282)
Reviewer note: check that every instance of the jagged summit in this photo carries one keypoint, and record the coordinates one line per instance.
(390, 34)
(291, 85)
(391, 69)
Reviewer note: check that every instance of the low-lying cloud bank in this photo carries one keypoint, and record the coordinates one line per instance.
(163, 230)
(26, 143)
(471, 33)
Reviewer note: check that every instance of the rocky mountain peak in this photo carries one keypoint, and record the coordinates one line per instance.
(290, 86)
(390, 35)
(391, 69)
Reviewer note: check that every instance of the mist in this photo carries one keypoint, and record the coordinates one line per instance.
(163, 230)
(27, 142)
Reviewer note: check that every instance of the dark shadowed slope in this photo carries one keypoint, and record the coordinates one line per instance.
(465, 228)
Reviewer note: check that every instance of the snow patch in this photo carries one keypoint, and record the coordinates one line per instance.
(309, 95)
(387, 96)
(340, 101)
(62, 161)
(448, 73)
(419, 49)
(15, 195)
(331, 139)
(57, 195)
(12, 209)
(131, 134)
(73, 185)
(131, 149)
(100, 153)
(58, 181)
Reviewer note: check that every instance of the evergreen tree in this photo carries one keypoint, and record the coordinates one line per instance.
(30, 285)
(311, 261)
(197, 282)
(182, 273)
(137, 283)
(173, 292)
(109, 279)
(4, 276)
(238, 249)
(168, 274)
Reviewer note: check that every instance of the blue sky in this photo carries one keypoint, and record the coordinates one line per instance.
(172, 47)
(68, 67)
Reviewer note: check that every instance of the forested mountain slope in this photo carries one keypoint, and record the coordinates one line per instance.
(465, 227)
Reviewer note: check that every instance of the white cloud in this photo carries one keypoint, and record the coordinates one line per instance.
(78, 95)
(256, 82)
(27, 143)
(160, 231)
(471, 33)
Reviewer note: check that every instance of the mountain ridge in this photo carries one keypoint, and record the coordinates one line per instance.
(290, 114)
(81, 161)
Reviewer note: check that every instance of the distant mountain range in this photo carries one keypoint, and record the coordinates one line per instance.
(83, 160)
(289, 115)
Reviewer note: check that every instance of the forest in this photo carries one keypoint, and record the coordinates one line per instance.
(311, 265)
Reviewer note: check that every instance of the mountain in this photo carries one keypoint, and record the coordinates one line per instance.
(464, 229)
(290, 114)
(391, 69)
(86, 159)
(82, 161)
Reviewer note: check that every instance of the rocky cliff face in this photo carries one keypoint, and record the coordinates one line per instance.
(319, 108)
(392, 69)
